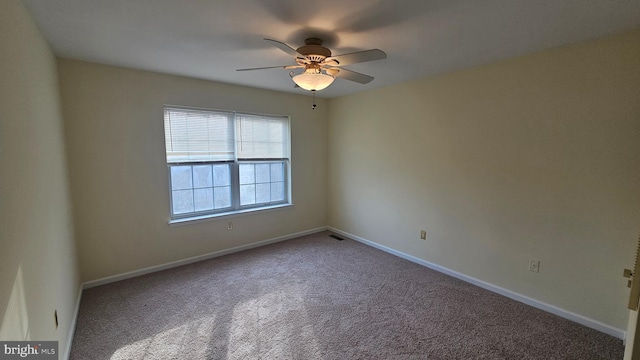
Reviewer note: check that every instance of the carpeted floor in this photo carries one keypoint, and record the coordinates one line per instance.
(319, 298)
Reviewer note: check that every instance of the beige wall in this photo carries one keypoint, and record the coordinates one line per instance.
(38, 272)
(532, 158)
(118, 172)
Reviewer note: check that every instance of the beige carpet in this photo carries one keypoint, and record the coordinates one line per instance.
(319, 298)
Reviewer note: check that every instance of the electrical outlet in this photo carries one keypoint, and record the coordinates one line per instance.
(423, 235)
(230, 225)
(534, 266)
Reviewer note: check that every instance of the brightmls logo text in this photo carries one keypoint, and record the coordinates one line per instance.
(23, 351)
(29, 350)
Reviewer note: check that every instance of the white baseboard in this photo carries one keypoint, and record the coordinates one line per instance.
(72, 326)
(580, 319)
(152, 269)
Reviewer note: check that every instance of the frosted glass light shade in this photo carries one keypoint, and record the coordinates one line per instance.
(312, 81)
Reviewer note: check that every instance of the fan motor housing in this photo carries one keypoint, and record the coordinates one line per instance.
(314, 50)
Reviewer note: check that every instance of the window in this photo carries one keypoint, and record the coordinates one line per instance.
(224, 162)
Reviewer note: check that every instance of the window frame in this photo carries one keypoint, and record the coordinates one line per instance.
(234, 169)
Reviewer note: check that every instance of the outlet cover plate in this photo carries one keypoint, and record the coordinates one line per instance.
(534, 266)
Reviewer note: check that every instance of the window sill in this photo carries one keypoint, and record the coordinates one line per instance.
(219, 216)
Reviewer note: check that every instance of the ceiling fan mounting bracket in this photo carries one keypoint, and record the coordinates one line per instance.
(313, 41)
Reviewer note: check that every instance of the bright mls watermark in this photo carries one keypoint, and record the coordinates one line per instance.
(41, 350)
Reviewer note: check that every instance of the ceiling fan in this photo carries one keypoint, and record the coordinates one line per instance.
(320, 67)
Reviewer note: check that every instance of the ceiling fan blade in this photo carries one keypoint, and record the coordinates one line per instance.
(354, 76)
(357, 57)
(286, 48)
(273, 67)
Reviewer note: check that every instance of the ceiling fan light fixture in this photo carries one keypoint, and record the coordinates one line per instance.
(313, 80)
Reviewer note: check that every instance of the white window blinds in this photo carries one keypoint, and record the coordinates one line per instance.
(205, 135)
(195, 135)
(262, 137)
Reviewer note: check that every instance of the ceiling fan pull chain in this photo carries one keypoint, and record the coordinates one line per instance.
(313, 107)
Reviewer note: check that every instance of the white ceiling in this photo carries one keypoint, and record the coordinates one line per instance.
(209, 39)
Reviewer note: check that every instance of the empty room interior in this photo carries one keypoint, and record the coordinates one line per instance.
(467, 185)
